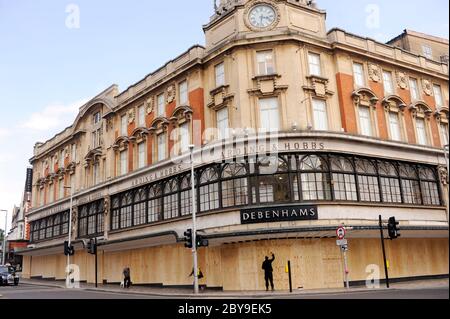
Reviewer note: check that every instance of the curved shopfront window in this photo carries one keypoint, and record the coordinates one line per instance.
(369, 190)
(91, 219)
(268, 180)
(50, 227)
(315, 180)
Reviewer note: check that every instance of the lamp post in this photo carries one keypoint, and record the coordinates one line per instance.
(446, 154)
(70, 231)
(4, 236)
(194, 222)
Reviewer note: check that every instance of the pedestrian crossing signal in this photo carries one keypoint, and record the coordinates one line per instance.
(68, 250)
(188, 238)
(394, 230)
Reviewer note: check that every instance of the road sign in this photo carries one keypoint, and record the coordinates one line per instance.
(342, 242)
(341, 232)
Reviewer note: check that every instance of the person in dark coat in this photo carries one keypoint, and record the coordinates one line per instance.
(127, 277)
(268, 272)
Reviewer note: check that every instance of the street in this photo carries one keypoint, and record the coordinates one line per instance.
(25, 291)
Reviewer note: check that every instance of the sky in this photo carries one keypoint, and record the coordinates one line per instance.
(57, 54)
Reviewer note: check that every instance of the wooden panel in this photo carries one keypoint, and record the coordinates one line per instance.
(316, 263)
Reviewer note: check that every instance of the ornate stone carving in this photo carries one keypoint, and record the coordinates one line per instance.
(374, 72)
(427, 87)
(443, 174)
(402, 80)
(365, 97)
(131, 115)
(149, 105)
(318, 86)
(171, 93)
(109, 123)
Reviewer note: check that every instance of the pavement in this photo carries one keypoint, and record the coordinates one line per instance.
(438, 284)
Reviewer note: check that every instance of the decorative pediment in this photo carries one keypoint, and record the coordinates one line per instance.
(140, 134)
(71, 168)
(93, 156)
(441, 115)
(318, 86)
(51, 178)
(41, 183)
(365, 97)
(267, 85)
(160, 123)
(181, 114)
(394, 103)
(121, 143)
(61, 171)
(220, 97)
(421, 109)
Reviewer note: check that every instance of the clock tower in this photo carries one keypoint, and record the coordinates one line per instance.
(247, 19)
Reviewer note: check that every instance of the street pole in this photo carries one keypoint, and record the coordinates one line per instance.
(290, 276)
(347, 283)
(194, 222)
(96, 277)
(384, 253)
(70, 233)
(4, 237)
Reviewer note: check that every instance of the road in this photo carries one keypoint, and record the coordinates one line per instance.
(25, 291)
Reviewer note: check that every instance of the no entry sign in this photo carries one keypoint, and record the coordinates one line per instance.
(340, 232)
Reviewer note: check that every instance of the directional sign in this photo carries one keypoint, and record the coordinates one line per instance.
(340, 232)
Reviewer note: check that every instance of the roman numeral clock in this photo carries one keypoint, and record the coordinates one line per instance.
(262, 15)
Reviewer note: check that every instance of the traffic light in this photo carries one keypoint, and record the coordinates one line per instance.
(201, 241)
(68, 250)
(92, 246)
(394, 230)
(188, 238)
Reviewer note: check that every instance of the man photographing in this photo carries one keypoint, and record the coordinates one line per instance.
(268, 272)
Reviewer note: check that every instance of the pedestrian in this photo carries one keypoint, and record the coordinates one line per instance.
(126, 277)
(200, 276)
(268, 272)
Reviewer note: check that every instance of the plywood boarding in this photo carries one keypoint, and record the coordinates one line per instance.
(316, 263)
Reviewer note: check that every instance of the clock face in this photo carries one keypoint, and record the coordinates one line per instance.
(262, 16)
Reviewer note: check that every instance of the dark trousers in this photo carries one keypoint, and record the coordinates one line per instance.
(269, 279)
(127, 282)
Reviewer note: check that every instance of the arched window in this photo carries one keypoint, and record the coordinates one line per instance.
(171, 199)
(410, 184)
(115, 210)
(273, 180)
(65, 223)
(234, 185)
(390, 184)
(139, 211)
(57, 225)
(369, 190)
(100, 216)
(92, 219)
(209, 190)
(430, 189)
(82, 221)
(49, 229)
(186, 196)
(42, 226)
(126, 210)
(314, 178)
(344, 181)
(154, 203)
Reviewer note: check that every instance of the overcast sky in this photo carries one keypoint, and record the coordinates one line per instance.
(50, 64)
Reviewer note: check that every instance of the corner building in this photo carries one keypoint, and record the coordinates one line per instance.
(358, 130)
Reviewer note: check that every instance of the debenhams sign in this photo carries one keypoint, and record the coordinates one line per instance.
(279, 214)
